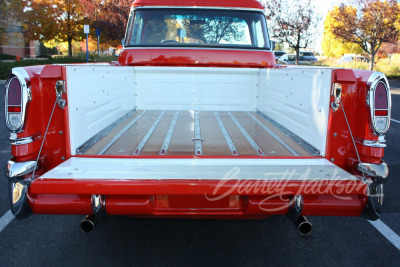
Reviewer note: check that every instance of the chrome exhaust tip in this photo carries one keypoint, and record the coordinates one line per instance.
(88, 223)
(303, 225)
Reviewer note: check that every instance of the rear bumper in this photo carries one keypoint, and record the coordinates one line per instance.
(198, 198)
(222, 198)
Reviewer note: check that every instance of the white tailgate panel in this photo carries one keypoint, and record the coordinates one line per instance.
(298, 99)
(197, 169)
(188, 88)
(97, 97)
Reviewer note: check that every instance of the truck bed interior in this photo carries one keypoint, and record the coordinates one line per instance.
(142, 111)
(154, 132)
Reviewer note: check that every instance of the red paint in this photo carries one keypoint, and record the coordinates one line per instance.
(326, 205)
(61, 204)
(197, 57)
(51, 71)
(201, 3)
(195, 187)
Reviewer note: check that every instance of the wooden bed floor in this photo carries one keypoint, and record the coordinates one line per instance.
(208, 133)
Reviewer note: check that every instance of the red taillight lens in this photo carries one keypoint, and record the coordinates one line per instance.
(14, 92)
(14, 104)
(381, 112)
(381, 100)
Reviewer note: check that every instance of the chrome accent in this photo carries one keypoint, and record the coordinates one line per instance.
(308, 147)
(147, 136)
(93, 140)
(197, 135)
(374, 143)
(273, 134)
(60, 90)
(372, 83)
(88, 223)
(99, 206)
(303, 225)
(225, 133)
(19, 169)
(168, 136)
(295, 208)
(246, 135)
(21, 74)
(19, 199)
(127, 127)
(374, 205)
(337, 93)
(21, 141)
(374, 170)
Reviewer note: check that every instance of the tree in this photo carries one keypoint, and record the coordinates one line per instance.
(110, 16)
(369, 24)
(333, 46)
(58, 19)
(292, 22)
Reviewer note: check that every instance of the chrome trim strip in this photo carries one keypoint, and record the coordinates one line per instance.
(168, 136)
(304, 144)
(19, 169)
(272, 134)
(94, 139)
(374, 143)
(116, 137)
(21, 141)
(199, 7)
(197, 135)
(246, 135)
(372, 83)
(21, 74)
(225, 133)
(147, 136)
(374, 170)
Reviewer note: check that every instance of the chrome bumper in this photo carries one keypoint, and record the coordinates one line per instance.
(18, 187)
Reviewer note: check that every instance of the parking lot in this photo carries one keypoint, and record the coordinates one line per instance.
(57, 240)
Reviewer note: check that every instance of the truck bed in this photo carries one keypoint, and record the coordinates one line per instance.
(222, 133)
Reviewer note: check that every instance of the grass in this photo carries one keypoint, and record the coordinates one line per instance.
(390, 69)
(5, 67)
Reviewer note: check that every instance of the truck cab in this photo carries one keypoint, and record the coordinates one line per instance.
(196, 120)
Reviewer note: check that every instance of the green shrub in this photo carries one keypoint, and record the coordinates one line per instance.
(7, 57)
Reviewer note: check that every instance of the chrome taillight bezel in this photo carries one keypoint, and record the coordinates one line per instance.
(375, 79)
(23, 77)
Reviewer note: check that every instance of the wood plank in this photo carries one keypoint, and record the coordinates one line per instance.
(214, 143)
(156, 140)
(289, 141)
(243, 147)
(130, 140)
(182, 140)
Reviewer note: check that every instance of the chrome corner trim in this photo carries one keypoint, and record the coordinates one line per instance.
(374, 205)
(18, 169)
(21, 141)
(94, 139)
(99, 206)
(295, 208)
(374, 170)
(372, 83)
(308, 147)
(374, 143)
(19, 199)
(22, 76)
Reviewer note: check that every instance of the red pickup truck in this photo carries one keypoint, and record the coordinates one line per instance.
(196, 120)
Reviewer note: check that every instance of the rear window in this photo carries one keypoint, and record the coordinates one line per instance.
(196, 27)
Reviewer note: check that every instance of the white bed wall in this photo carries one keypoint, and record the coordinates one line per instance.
(298, 99)
(97, 97)
(184, 88)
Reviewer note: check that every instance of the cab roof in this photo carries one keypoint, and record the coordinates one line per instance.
(201, 3)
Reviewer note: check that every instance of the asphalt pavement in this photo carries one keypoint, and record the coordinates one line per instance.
(346, 241)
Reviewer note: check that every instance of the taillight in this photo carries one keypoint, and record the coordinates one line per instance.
(15, 102)
(380, 102)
